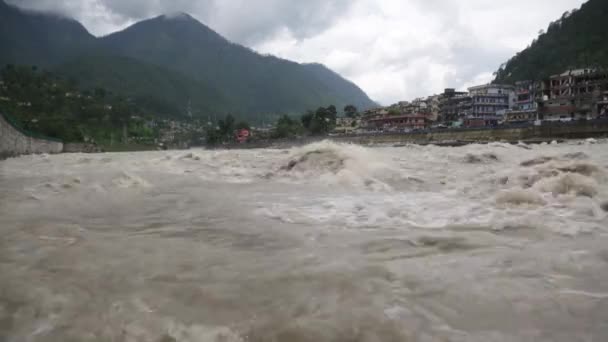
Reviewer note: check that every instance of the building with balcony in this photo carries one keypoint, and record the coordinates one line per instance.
(525, 96)
(525, 107)
(405, 122)
(491, 100)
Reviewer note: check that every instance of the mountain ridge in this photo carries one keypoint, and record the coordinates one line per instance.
(57, 36)
(249, 84)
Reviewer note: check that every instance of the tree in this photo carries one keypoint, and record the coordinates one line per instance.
(212, 136)
(350, 111)
(226, 126)
(286, 127)
(242, 125)
(323, 120)
(306, 119)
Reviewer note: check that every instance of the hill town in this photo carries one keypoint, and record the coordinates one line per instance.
(573, 95)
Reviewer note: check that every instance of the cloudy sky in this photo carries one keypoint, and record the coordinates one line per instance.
(393, 49)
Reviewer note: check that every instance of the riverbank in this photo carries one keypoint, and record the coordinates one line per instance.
(546, 133)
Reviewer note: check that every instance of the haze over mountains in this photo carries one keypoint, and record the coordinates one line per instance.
(173, 62)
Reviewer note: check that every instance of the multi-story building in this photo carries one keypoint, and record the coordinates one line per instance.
(374, 113)
(346, 125)
(433, 107)
(525, 96)
(574, 94)
(491, 100)
(405, 122)
(453, 105)
(525, 108)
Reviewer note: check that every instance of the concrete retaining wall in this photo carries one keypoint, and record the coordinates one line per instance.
(546, 132)
(15, 141)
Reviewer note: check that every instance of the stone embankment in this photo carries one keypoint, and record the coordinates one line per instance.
(16, 141)
(546, 132)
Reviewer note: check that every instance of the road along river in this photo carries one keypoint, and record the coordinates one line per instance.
(325, 242)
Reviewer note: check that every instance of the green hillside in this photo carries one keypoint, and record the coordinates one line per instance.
(259, 84)
(578, 39)
(153, 88)
(50, 105)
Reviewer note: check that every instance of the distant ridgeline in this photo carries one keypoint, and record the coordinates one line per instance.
(172, 66)
(578, 40)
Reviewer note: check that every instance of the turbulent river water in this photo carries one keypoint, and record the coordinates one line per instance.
(325, 242)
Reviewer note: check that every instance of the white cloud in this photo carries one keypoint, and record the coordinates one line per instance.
(394, 49)
(397, 50)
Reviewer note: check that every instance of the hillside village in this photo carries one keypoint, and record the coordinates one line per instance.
(580, 94)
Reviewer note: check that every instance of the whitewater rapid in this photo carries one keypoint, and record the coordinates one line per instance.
(325, 242)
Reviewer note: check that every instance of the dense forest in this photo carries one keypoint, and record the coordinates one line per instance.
(578, 39)
(41, 102)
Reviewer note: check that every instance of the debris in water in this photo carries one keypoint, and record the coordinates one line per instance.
(476, 159)
(523, 145)
(536, 161)
(520, 197)
(187, 156)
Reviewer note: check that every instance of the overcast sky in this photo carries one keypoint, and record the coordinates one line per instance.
(394, 49)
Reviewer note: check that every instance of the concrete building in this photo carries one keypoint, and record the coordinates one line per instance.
(525, 108)
(491, 100)
(394, 123)
(520, 116)
(346, 125)
(525, 96)
(572, 95)
(374, 113)
(433, 103)
(453, 105)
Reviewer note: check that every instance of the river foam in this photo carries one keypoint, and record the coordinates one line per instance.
(327, 241)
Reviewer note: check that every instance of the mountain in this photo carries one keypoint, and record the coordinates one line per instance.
(171, 61)
(576, 40)
(154, 88)
(257, 83)
(41, 39)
